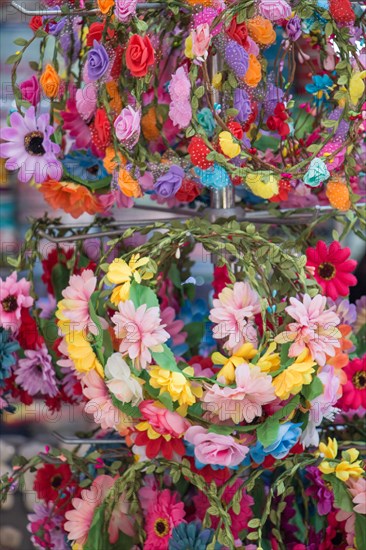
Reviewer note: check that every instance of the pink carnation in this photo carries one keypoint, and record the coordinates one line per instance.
(253, 390)
(233, 313)
(315, 329)
(180, 110)
(162, 420)
(14, 295)
(216, 449)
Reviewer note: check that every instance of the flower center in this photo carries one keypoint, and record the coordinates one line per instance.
(359, 380)
(10, 303)
(33, 143)
(327, 271)
(161, 527)
(93, 170)
(56, 481)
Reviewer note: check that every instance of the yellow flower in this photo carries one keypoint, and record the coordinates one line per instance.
(176, 384)
(357, 86)
(269, 362)
(345, 470)
(217, 81)
(228, 146)
(297, 375)
(244, 354)
(330, 450)
(188, 49)
(263, 184)
(326, 468)
(81, 353)
(121, 273)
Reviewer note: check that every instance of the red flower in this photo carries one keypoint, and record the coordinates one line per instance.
(95, 33)
(236, 129)
(101, 132)
(332, 268)
(341, 11)
(139, 55)
(56, 256)
(251, 117)
(354, 391)
(188, 191)
(117, 64)
(277, 121)
(35, 23)
(284, 187)
(238, 32)
(198, 152)
(28, 335)
(18, 393)
(220, 279)
(52, 481)
(160, 445)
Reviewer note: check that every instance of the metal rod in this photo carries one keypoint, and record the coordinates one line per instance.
(91, 11)
(82, 440)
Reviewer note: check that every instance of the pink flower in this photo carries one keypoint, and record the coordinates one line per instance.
(31, 91)
(86, 101)
(127, 126)
(357, 488)
(253, 390)
(337, 161)
(180, 110)
(75, 125)
(14, 295)
(162, 420)
(201, 40)
(81, 517)
(125, 9)
(140, 330)
(315, 329)
(233, 312)
(75, 305)
(274, 10)
(217, 449)
(173, 326)
(163, 515)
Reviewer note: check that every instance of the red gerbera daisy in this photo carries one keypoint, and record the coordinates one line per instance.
(51, 481)
(332, 268)
(354, 391)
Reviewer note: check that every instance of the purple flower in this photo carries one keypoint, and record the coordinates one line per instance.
(55, 27)
(274, 95)
(344, 309)
(242, 104)
(125, 9)
(343, 127)
(168, 184)
(98, 61)
(237, 58)
(319, 491)
(46, 527)
(293, 28)
(35, 374)
(70, 42)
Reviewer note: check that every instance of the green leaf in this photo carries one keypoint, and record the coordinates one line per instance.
(98, 537)
(199, 91)
(165, 359)
(126, 408)
(328, 29)
(220, 429)
(33, 65)
(166, 400)
(94, 317)
(360, 530)
(267, 433)
(13, 58)
(20, 41)
(140, 295)
(342, 498)
(313, 390)
(60, 279)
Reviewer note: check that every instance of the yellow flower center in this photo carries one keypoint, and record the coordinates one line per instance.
(327, 271)
(161, 527)
(359, 380)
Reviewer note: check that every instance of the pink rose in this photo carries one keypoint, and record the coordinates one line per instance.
(125, 9)
(86, 101)
(162, 420)
(127, 126)
(274, 10)
(31, 91)
(212, 448)
(201, 40)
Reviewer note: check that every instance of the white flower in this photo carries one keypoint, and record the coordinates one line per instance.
(120, 381)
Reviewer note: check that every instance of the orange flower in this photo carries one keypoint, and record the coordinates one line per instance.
(148, 125)
(105, 5)
(261, 30)
(204, 3)
(109, 163)
(254, 73)
(129, 186)
(338, 194)
(50, 82)
(115, 101)
(73, 198)
(341, 358)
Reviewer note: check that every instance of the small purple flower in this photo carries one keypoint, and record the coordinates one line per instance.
(242, 104)
(98, 61)
(35, 374)
(344, 309)
(168, 184)
(319, 491)
(237, 58)
(274, 95)
(293, 28)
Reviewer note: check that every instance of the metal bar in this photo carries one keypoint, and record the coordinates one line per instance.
(83, 440)
(91, 11)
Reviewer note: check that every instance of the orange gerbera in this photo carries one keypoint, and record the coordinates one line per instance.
(341, 358)
(73, 198)
(109, 163)
(128, 185)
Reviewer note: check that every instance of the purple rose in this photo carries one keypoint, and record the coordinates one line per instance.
(237, 58)
(127, 126)
(242, 104)
(124, 9)
(98, 61)
(168, 184)
(31, 91)
(293, 28)
(274, 95)
(55, 27)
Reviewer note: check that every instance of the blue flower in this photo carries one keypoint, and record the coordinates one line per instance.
(320, 88)
(207, 121)
(191, 536)
(317, 173)
(193, 312)
(215, 176)
(83, 166)
(288, 435)
(7, 358)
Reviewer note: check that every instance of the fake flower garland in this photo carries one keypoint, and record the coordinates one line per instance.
(131, 98)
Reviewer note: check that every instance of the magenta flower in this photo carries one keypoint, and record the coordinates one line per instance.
(165, 512)
(35, 373)
(30, 90)
(29, 148)
(14, 295)
(315, 329)
(319, 491)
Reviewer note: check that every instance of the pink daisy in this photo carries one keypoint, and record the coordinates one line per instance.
(75, 305)
(140, 330)
(315, 329)
(14, 295)
(357, 488)
(29, 148)
(253, 390)
(233, 313)
(163, 515)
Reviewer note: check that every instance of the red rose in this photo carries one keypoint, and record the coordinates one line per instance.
(95, 33)
(236, 129)
(101, 132)
(198, 152)
(35, 22)
(188, 191)
(238, 32)
(139, 55)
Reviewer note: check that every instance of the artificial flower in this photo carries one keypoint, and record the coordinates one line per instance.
(100, 130)
(127, 126)
(128, 185)
(120, 381)
(191, 535)
(238, 31)
(341, 11)
(14, 296)
(329, 450)
(315, 329)
(319, 490)
(46, 527)
(270, 360)
(35, 373)
(165, 513)
(253, 75)
(354, 391)
(229, 147)
(50, 82)
(357, 86)
(98, 61)
(297, 375)
(30, 90)
(52, 480)
(215, 449)
(122, 273)
(139, 55)
(8, 347)
(176, 384)
(288, 435)
(207, 121)
(109, 162)
(180, 109)
(81, 352)
(170, 182)
(321, 88)
(243, 355)
(338, 194)
(105, 6)
(357, 488)
(125, 9)
(73, 198)
(140, 331)
(261, 183)
(201, 40)
(332, 268)
(275, 10)
(215, 177)
(75, 126)
(261, 30)
(198, 151)
(317, 173)
(237, 58)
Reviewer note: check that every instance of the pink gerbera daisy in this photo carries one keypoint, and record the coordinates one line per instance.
(332, 268)
(233, 312)
(354, 391)
(163, 515)
(315, 329)
(29, 148)
(14, 295)
(141, 331)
